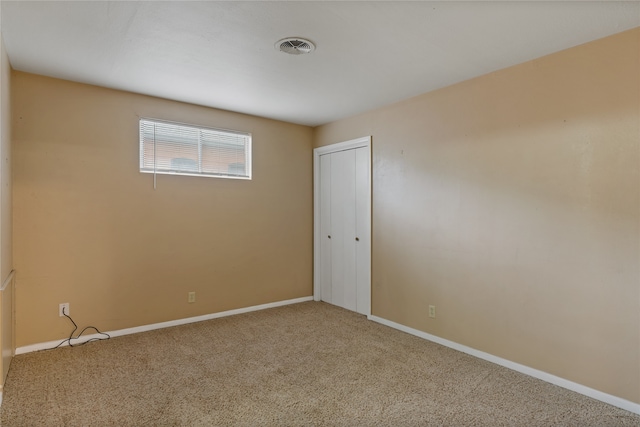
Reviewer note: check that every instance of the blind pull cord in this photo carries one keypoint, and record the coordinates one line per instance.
(154, 156)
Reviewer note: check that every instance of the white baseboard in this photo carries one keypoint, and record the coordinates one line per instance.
(145, 328)
(544, 376)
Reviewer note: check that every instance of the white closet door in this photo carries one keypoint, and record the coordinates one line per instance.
(363, 229)
(343, 229)
(325, 227)
(343, 234)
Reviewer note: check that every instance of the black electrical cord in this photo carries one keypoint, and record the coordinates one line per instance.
(75, 328)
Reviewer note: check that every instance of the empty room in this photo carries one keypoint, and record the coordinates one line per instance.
(340, 213)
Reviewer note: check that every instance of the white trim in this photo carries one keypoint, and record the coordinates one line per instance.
(316, 225)
(541, 375)
(145, 328)
(364, 141)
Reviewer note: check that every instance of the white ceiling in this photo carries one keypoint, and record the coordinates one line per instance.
(221, 54)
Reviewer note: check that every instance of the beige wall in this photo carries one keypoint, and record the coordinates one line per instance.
(511, 202)
(90, 229)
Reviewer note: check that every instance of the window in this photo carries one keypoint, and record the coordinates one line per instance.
(172, 148)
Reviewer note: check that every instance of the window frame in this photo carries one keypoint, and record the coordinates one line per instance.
(155, 171)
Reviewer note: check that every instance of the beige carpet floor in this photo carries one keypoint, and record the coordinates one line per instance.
(304, 364)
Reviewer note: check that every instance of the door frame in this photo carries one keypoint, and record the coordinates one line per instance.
(364, 141)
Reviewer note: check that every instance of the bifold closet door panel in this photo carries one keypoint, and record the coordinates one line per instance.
(325, 228)
(343, 228)
(363, 230)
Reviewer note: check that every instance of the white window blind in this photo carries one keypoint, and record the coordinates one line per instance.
(179, 149)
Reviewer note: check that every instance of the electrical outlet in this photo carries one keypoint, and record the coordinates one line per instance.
(191, 297)
(65, 307)
(432, 311)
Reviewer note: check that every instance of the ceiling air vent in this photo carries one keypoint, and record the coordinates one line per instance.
(295, 46)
